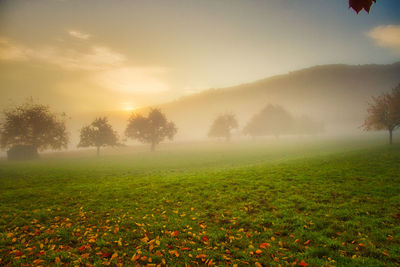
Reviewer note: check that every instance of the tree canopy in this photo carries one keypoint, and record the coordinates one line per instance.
(152, 129)
(384, 112)
(98, 134)
(33, 125)
(222, 126)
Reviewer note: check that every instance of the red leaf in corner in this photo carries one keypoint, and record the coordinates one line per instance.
(356, 5)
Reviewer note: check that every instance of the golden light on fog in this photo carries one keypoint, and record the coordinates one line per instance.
(127, 106)
(133, 80)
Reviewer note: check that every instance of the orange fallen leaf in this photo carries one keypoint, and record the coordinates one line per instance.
(264, 245)
(302, 263)
(307, 242)
(106, 255)
(114, 256)
(204, 238)
(174, 252)
(175, 233)
(18, 253)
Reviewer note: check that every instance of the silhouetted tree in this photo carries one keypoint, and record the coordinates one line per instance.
(222, 126)
(31, 127)
(152, 129)
(384, 113)
(271, 120)
(98, 134)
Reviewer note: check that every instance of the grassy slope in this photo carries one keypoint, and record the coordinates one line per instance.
(324, 203)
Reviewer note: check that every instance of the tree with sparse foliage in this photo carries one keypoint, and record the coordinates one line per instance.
(31, 127)
(152, 129)
(384, 113)
(98, 134)
(223, 125)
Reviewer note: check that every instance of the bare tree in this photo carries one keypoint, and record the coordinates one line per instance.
(384, 113)
(152, 129)
(98, 134)
(32, 127)
(222, 126)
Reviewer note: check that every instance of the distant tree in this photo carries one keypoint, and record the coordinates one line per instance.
(384, 113)
(31, 127)
(152, 129)
(98, 134)
(222, 126)
(271, 120)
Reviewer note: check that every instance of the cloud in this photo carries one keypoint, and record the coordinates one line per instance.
(11, 51)
(94, 58)
(106, 68)
(79, 34)
(97, 58)
(387, 36)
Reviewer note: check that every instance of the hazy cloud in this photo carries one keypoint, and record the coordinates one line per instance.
(94, 58)
(10, 51)
(387, 36)
(106, 68)
(79, 34)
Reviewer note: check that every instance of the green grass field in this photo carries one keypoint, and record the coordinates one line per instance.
(316, 203)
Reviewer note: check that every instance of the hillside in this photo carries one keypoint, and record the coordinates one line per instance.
(334, 94)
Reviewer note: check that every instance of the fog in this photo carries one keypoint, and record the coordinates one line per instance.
(321, 66)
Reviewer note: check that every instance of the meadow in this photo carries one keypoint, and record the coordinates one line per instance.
(320, 202)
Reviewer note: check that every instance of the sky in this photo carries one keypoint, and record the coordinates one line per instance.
(95, 55)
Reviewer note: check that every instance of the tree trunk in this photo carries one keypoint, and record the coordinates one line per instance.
(98, 151)
(390, 137)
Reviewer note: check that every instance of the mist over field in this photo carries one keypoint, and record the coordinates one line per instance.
(335, 96)
(199, 133)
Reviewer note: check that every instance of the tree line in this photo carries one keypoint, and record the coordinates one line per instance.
(31, 127)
